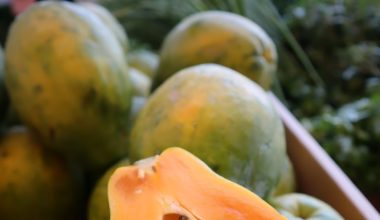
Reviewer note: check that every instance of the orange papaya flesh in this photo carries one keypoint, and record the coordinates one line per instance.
(177, 185)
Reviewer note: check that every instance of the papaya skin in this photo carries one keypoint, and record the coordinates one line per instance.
(176, 183)
(302, 206)
(140, 82)
(37, 183)
(110, 21)
(287, 183)
(222, 38)
(69, 82)
(220, 116)
(98, 208)
(144, 60)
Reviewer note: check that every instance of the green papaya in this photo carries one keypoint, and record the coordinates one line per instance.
(69, 82)
(222, 117)
(144, 60)
(110, 22)
(296, 206)
(287, 182)
(140, 82)
(219, 37)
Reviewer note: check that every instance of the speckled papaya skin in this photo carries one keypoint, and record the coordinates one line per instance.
(220, 116)
(219, 37)
(67, 78)
(37, 183)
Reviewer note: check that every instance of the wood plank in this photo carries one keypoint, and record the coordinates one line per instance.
(318, 175)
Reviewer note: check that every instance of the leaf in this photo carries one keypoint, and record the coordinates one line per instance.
(355, 111)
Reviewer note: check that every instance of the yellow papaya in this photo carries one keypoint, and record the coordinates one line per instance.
(37, 183)
(222, 117)
(218, 37)
(69, 82)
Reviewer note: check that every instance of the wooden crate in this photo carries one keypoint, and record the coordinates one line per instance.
(318, 175)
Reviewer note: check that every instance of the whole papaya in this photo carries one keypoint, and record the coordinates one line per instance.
(37, 183)
(218, 37)
(222, 117)
(69, 83)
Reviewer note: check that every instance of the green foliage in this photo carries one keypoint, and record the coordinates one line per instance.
(150, 21)
(342, 40)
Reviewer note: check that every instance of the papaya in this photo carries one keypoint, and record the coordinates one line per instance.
(287, 182)
(222, 38)
(110, 21)
(4, 100)
(98, 208)
(98, 203)
(295, 206)
(144, 60)
(69, 82)
(140, 82)
(11, 118)
(178, 185)
(220, 116)
(138, 102)
(37, 183)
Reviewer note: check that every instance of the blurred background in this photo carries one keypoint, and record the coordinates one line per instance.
(329, 64)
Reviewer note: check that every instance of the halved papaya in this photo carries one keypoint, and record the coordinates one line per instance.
(177, 185)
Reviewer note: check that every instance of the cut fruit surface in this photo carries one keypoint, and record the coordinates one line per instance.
(176, 185)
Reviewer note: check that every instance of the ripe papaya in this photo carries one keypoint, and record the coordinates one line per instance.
(37, 183)
(110, 21)
(98, 208)
(218, 37)
(177, 185)
(69, 82)
(220, 116)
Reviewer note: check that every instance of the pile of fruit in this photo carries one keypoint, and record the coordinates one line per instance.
(79, 104)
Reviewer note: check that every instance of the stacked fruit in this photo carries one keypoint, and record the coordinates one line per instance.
(84, 105)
